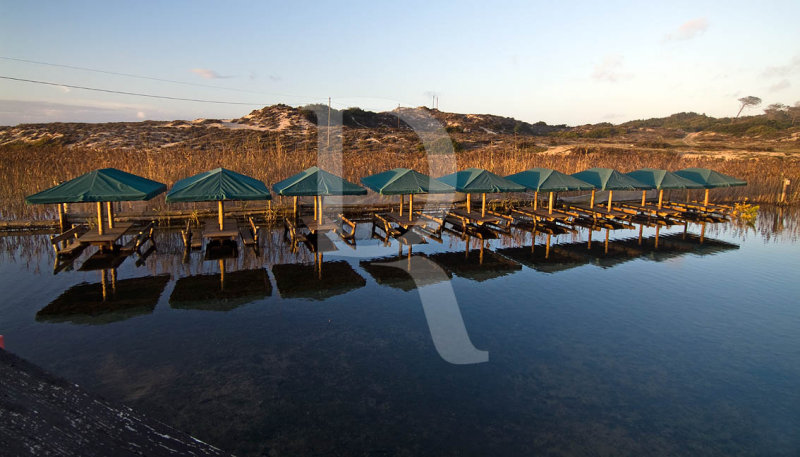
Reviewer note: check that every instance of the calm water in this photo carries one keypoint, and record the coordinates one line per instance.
(688, 349)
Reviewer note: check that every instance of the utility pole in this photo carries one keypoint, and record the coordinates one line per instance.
(398, 117)
(329, 122)
(433, 102)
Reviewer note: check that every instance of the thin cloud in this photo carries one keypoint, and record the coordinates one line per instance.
(610, 70)
(688, 30)
(782, 71)
(140, 115)
(65, 89)
(780, 85)
(208, 74)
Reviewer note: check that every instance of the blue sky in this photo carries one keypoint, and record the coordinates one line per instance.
(568, 63)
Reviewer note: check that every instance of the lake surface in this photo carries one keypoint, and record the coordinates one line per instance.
(686, 349)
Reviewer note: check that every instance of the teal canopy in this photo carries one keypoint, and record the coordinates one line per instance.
(548, 180)
(105, 185)
(710, 179)
(313, 181)
(663, 179)
(610, 179)
(218, 184)
(480, 181)
(402, 181)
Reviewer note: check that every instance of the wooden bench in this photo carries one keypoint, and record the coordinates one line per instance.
(138, 240)
(189, 240)
(347, 236)
(249, 234)
(72, 247)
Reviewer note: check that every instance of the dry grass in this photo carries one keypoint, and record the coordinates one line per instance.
(28, 169)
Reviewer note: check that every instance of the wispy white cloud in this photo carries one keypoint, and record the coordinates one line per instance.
(140, 115)
(780, 85)
(208, 74)
(611, 69)
(782, 71)
(688, 30)
(65, 89)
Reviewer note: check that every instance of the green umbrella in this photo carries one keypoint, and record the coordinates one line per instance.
(317, 183)
(709, 179)
(548, 180)
(403, 181)
(103, 185)
(662, 179)
(218, 185)
(610, 180)
(480, 181)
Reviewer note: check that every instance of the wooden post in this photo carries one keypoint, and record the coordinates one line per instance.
(402, 200)
(61, 217)
(104, 282)
(606, 244)
(294, 210)
(410, 206)
(110, 215)
(550, 204)
(535, 200)
(640, 233)
(547, 248)
(483, 206)
(660, 198)
(315, 207)
(320, 209)
(113, 281)
(702, 232)
(786, 183)
(705, 201)
(100, 220)
(220, 214)
(221, 274)
(469, 208)
(610, 195)
(658, 229)
(589, 246)
(644, 197)
(591, 202)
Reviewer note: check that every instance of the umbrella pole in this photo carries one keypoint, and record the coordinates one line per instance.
(110, 210)
(469, 207)
(483, 206)
(658, 229)
(591, 202)
(705, 201)
(660, 198)
(644, 197)
(535, 200)
(294, 210)
(547, 247)
(220, 214)
(410, 206)
(61, 217)
(702, 232)
(104, 283)
(221, 274)
(550, 204)
(610, 195)
(640, 233)
(315, 207)
(605, 249)
(402, 200)
(99, 218)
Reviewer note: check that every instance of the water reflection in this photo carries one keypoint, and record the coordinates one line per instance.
(316, 281)
(220, 292)
(105, 302)
(387, 272)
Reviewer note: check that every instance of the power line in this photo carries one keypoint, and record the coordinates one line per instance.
(150, 78)
(136, 94)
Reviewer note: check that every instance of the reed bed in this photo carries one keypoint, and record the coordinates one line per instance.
(26, 169)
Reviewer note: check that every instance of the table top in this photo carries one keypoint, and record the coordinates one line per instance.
(230, 229)
(543, 213)
(109, 236)
(401, 220)
(314, 226)
(475, 216)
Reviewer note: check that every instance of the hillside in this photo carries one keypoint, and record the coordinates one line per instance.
(776, 132)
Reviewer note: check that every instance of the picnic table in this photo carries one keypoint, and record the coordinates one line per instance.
(108, 239)
(476, 218)
(543, 213)
(402, 221)
(229, 231)
(314, 226)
